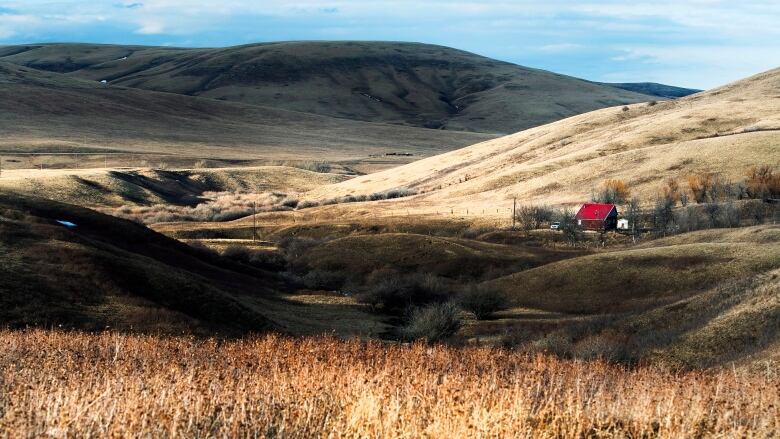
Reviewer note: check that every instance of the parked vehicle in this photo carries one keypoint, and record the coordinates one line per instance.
(555, 225)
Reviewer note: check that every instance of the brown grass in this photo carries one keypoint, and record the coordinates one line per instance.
(80, 385)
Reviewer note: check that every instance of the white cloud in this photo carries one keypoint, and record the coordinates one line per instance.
(150, 27)
(559, 48)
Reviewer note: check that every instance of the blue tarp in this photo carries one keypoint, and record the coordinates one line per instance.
(67, 224)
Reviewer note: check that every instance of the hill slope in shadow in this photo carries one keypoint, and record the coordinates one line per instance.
(111, 272)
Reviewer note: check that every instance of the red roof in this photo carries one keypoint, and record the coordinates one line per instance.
(595, 211)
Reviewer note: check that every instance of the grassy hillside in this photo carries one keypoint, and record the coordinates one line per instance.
(112, 188)
(44, 112)
(455, 258)
(401, 83)
(110, 272)
(725, 131)
(700, 299)
(637, 278)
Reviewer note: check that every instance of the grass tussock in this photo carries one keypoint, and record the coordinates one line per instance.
(81, 385)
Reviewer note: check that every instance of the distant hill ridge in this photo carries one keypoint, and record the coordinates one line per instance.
(401, 83)
(655, 89)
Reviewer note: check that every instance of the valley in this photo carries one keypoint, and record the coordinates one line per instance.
(381, 239)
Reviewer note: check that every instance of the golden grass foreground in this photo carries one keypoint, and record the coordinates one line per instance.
(63, 384)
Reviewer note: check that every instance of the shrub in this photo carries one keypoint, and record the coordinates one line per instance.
(532, 217)
(400, 193)
(220, 206)
(307, 204)
(729, 216)
(323, 280)
(613, 191)
(713, 211)
(202, 164)
(556, 343)
(290, 202)
(323, 167)
(684, 198)
(601, 346)
(432, 323)
(700, 186)
(663, 214)
(671, 191)
(757, 212)
(393, 292)
(294, 247)
(569, 227)
(265, 259)
(762, 182)
(689, 219)
(482, 301)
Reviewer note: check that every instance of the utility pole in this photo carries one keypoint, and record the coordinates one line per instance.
(514, 209)
(254, 221)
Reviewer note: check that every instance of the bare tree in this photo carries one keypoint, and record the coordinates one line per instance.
(633, 215)
(569, 227)
(662, 214)
(712, 210)
(532, 217)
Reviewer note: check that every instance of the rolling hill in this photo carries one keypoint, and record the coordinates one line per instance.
(699, 299)
(724, 130)
(110, 272)
(401, 83)
(44, 112)
(106, 272)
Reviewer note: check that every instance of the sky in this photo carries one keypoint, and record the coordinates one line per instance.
(689, 43)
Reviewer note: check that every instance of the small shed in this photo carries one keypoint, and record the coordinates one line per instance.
(596, 216)
(622, 224)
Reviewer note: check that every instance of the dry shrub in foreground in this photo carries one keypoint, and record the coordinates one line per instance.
(80, 385)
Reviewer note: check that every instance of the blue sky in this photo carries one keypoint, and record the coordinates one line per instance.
(693, 43)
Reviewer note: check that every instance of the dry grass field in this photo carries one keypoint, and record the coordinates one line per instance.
(70, 384)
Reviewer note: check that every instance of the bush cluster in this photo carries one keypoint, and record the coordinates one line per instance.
(432, 323)
(482, 301)
(220, 206)
(376, 196)
(393, 292)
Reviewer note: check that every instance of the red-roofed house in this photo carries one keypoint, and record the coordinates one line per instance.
(594, 216)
